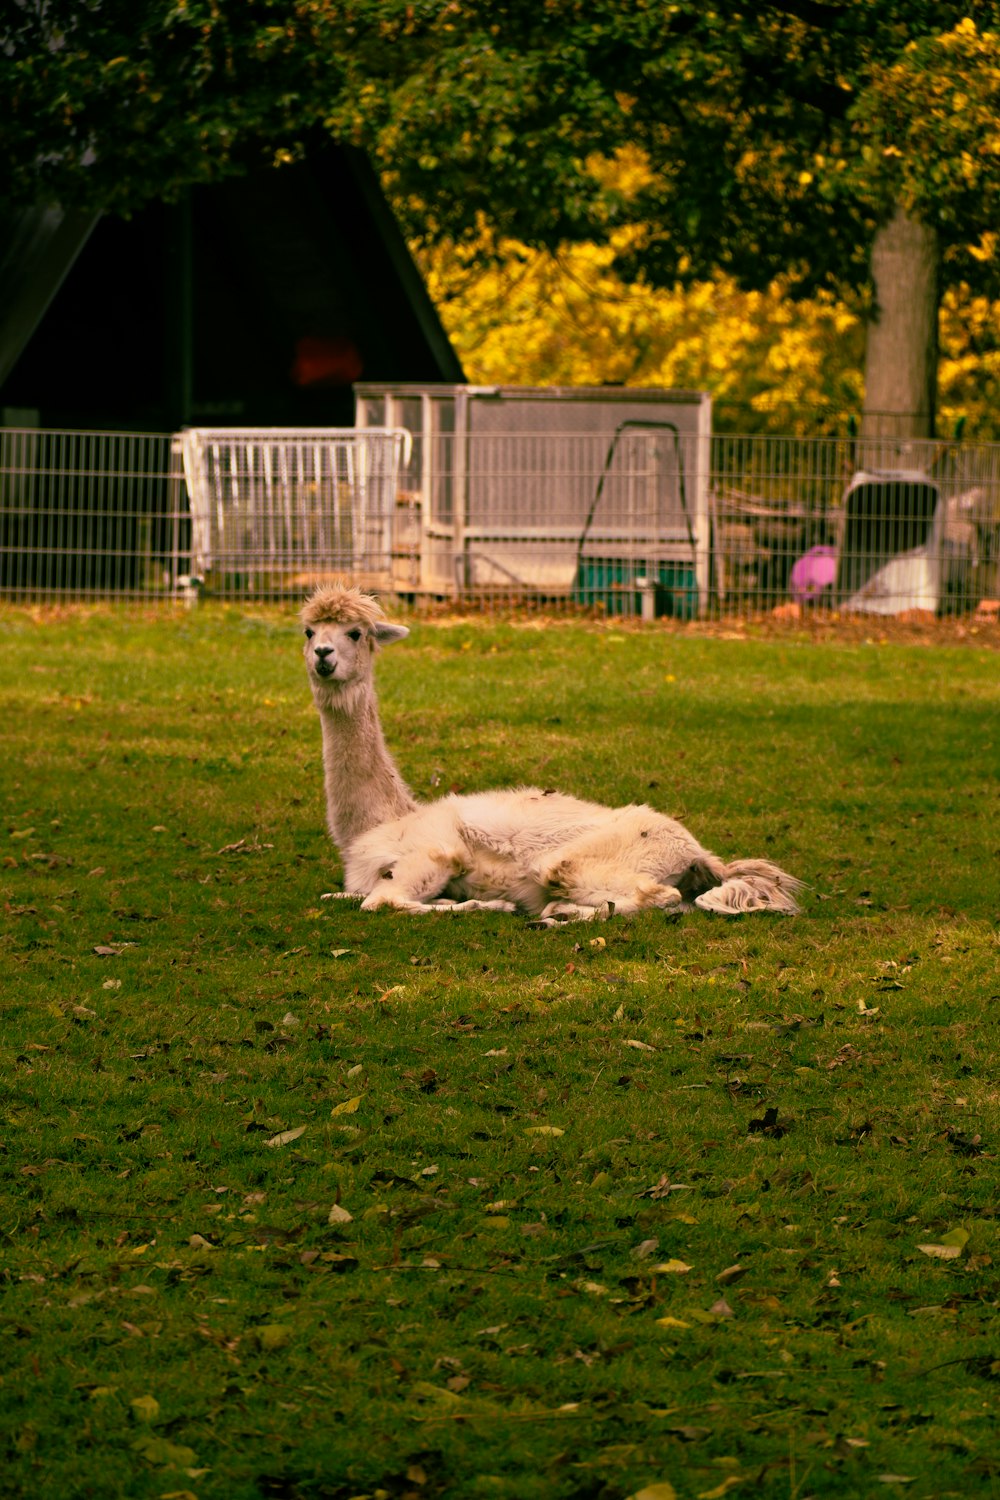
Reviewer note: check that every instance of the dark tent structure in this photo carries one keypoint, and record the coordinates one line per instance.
(257, 301)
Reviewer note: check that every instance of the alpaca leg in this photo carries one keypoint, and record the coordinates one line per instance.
(442, 907)
(415, 884)
(461, 906)
(586, 889)
(413, 880)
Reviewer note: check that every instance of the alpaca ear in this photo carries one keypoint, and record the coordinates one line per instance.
(386, 634)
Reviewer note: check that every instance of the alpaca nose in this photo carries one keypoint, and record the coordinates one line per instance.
(322, 652)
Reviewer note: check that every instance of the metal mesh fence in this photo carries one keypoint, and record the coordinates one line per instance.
(644, 520)
(87, 515)
(872, 527)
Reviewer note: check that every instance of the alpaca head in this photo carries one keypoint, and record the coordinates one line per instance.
(343, 627)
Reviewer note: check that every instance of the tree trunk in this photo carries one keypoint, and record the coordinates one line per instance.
(901, 355)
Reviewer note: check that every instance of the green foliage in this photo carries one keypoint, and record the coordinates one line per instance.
(110, 105)
(760, 134)
(927, 128)
(302, 1201)
(773, 144)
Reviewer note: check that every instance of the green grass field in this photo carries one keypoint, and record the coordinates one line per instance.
(303, 1202)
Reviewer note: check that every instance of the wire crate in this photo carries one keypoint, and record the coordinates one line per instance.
(276, 508)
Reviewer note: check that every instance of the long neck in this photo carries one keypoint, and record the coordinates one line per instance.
(363, 786)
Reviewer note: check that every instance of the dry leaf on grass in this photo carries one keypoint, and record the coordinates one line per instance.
(347, 1106)
(285, 1136)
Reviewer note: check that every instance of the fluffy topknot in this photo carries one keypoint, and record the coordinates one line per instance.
(339, 604)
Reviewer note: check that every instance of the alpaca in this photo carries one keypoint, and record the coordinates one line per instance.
(554, 857)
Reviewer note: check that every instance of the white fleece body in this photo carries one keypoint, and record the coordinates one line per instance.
(551, 855)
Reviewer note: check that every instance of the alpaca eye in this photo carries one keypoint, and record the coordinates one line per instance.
(310, 634)
(354, 635)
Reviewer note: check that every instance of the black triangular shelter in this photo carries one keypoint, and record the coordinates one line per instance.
(257, 301)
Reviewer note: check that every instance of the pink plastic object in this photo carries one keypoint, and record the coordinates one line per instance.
(814, 572)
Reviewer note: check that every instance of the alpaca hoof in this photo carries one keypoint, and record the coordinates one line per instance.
(570, 911)
(342, 896)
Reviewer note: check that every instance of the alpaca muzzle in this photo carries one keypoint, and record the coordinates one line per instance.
(325, 661)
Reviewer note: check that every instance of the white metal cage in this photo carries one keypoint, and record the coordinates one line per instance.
(273, 508)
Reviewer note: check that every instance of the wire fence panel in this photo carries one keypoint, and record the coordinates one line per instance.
(861, 526)
(642, 518)
(87, 515)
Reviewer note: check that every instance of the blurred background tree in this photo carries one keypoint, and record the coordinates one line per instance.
(831, 168)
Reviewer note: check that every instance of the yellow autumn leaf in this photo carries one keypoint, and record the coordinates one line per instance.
(544, 1130)
(672, 1267)
(347, 1106)
(145, 1408)
(721, 1489)
(661, 1490)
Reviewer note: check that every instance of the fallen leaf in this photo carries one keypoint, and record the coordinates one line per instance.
(338, 1215)
(347, 1106)
(159, 1451)
(846, 1054)
(663, 1187)
(941, 1252)
(721, 1309)
(661, 1490)
(731, 1274)
(146, 1408)
(894, 1478)
(672, 1267)
(285, 1136)
(544, 1130)
(338, 1262)
(639, 1046)
(721, 1489)
(669, 1322)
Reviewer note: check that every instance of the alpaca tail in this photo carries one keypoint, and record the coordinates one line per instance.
(750, 885)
